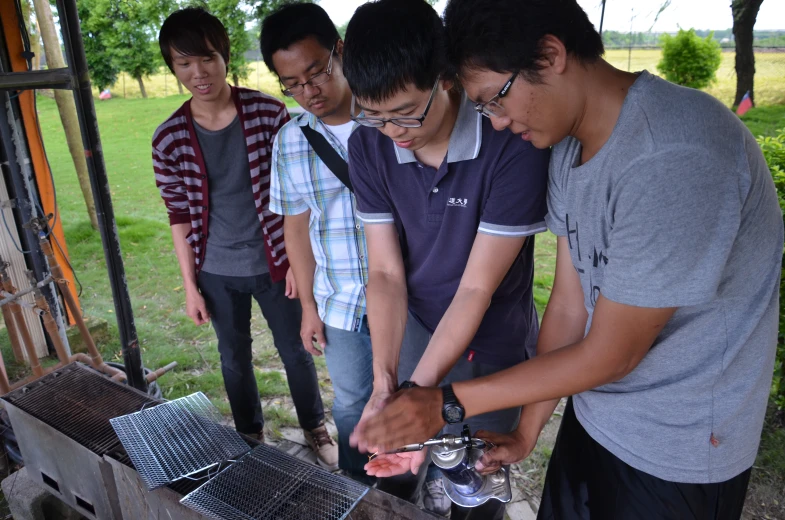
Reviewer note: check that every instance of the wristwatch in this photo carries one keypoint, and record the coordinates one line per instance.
(452, 409)
(407, 384)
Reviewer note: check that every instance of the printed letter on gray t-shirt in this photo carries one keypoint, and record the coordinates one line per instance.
(678, 209)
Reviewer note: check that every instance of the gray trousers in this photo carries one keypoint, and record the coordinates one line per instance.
(407, 486)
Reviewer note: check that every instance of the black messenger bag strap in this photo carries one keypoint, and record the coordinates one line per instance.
(328, 155)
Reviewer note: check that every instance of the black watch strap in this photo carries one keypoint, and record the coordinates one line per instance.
(452, 409)
(448, 395)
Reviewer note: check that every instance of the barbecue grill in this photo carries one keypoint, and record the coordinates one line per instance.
(62, 422)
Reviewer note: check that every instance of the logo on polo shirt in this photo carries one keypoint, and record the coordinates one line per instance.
(461, 203)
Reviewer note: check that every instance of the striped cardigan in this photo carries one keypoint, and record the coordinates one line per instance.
(181, 176)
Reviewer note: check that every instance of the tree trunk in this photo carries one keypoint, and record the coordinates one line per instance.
(236, 80)
(744, 14)
(141, 87)
(66, 105)
(179, 87)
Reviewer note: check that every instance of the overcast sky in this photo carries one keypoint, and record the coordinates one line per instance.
(700, 14)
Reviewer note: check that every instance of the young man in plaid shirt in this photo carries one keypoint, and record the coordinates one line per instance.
(211, 160)
(327, 248)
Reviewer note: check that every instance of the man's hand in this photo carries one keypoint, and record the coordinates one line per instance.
(291, 285)
(409, 416)
(391, 464)
(312, 330)
(509, 448)
(195, 308)
(374, 405)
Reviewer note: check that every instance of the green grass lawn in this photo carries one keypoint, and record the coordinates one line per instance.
(765, 120)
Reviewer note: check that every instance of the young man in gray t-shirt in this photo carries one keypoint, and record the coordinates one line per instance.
(662, 323)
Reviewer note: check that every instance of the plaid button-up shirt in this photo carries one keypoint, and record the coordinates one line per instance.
(300, 181)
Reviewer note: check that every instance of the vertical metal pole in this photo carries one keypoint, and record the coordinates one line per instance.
(74, 50)
(602, 17)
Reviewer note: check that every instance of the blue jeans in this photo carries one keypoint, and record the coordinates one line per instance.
(350, 363)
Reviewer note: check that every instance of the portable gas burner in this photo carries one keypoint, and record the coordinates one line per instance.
(456, 457)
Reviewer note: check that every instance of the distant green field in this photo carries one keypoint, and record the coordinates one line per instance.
(769, 73)
(769, 77)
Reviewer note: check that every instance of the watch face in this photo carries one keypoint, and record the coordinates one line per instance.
(453, 414)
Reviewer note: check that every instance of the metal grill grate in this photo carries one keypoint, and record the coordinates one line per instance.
(177, 439)
(267, 484)
(79, 402)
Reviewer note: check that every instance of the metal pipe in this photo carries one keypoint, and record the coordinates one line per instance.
(85, 109)
(152, 376)
(36, 79)
(5, 387)
(34, 286)
(21, 326)
(13, 334)
(49, 322)
(70, 302)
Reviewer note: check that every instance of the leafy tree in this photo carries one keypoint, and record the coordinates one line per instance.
(774, 151)
(133, 38)
(689, 60)
(234, 18)
(263, 8)
(745, 12)
(100, 60)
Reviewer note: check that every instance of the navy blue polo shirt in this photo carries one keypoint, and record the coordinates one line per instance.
(490, 182)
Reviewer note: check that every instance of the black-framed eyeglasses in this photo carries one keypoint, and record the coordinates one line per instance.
(404, 122)
(317, 79)
(492, 106)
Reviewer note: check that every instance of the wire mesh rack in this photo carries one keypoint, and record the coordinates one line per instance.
(177, 439)
(267, 484)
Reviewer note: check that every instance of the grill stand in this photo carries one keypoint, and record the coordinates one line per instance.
(65, 468)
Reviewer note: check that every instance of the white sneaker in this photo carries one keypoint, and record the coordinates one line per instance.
(435, 500)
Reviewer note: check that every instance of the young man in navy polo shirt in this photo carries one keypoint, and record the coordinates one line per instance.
(449, 207)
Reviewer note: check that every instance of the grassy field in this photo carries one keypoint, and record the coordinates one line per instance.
(769, 77)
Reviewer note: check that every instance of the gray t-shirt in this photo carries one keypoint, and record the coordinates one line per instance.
(678, 209)
(235, 243)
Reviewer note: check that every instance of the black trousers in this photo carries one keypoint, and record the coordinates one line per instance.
(586, 481)
(228, 299)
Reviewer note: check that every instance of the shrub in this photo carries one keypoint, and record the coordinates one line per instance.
(774, 152)
(689, 60)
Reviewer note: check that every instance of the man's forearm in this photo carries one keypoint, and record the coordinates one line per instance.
(620, 337)
(560, 326)
(451, 338)
(300, 254)
(185, 256)
(387, 313)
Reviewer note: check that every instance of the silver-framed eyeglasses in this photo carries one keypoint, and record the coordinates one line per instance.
(317, 79)
(404, 122)
(492, 106)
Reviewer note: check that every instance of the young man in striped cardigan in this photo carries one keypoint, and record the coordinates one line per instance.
(212, 166)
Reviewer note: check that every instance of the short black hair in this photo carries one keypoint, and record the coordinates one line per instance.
(188, 31)
(294, 22)
(391, 44)
(505, 35)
